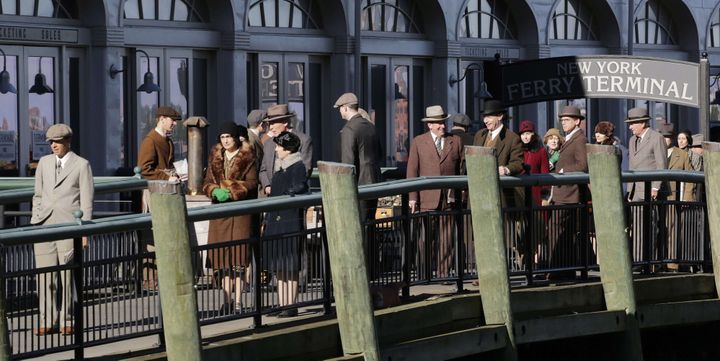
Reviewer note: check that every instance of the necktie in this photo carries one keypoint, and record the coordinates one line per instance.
(438, 145)
(637, 142)
(59, 167)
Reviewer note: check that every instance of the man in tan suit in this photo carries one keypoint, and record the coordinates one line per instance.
(564, 223)
(63, 184)
(436, 153)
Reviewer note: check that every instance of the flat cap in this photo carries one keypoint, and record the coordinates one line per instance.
(58, 132)
(460, 119)
(345, 99)
(254, 117)
(169, 112)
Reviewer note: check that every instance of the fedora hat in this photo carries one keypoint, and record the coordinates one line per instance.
(494, 107)
(571, 111)
(278, 112)
(434, 113)
(637, 115)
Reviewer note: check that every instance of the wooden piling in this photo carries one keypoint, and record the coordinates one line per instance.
(347, 260)
(175, 273)
(613, 246)
(489, 237)
(711, 160)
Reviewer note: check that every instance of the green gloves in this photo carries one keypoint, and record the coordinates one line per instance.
(221, 194)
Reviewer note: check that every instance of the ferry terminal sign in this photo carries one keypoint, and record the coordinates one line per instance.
(572, 77)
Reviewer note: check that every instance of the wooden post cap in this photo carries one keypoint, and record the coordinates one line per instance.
(475, 150)
(711, 146)
(164, 187)
(601, 149)
(335, 168)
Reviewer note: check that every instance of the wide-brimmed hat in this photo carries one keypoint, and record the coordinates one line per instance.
(527, 126)
(288, 141)
(254, 117)
(345, 99)
(460, 119)
(168, 112)
(278, 112)
(637, 115)
(494, 107)
(571, 111)
(434, 113)
(58, 132)
(553, 131)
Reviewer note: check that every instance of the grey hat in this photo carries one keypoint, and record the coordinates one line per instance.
(254, 117)
(345, 99)
(460, 119)
(277, 113)
(697, 140)
(58, 132)
(572, 112)
(637, 115)
(434, 113)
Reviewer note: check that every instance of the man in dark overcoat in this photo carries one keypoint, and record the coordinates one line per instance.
(436, 153)
(564, 224)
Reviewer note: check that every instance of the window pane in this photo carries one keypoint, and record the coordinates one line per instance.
(131, 9)
(181, 11)
(27, 8)
(164, 9)
(45, 8)
(400, 110)
(296, 92)
(148, 9)
(148, 102)
(41, 108)
(178, 99)
(9, 121)
(378, 98)
(8, 7)
(284, 13)
(268, 85)
(269, 7)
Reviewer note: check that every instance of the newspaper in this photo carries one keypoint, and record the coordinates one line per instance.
(181, 169)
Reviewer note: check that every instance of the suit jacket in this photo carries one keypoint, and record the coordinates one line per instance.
(268, 161)
(508, 148)
(649, 154)
(257, 144)
(466, 139)
(679, 159)
(424, 160)
(573, 158)
(57, 197)
(359, 146)
(156, 154)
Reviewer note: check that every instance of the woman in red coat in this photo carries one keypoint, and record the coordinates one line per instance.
(231, 176)
(535, 157)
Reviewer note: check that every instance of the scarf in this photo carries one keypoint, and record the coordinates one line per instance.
(291, 159)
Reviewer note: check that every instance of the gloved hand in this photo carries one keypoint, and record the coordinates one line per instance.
(221, 194)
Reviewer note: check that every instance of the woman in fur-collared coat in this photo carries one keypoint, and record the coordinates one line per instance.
(231, 176)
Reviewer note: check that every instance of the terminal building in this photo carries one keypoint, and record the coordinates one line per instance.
(85, 63)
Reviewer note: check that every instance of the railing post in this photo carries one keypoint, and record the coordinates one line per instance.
(612, 242)
(178, 299)
(489, 238)
(5, 346)
(459, 240)
(584, 232)
(407, 219)
(348, 260)
(712, 195)
(527, 248)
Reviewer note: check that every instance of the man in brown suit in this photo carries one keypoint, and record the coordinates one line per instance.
(436, 153)
(155, 160)
(564, 224)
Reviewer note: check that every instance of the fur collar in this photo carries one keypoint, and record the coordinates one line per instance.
(291, 159)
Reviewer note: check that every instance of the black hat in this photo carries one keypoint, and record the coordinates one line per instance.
(242, 132)
(494, 107)
(288, 141)
(228, 128)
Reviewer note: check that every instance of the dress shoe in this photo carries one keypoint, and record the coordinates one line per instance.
(67, 330)
(476, 283)
(288, 313)
(42, 331)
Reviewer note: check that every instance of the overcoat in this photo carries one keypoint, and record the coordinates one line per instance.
(573, 158)
(359, 146)
(156, 154)
(267, 167)
(650, 153)
(241, 179)
(424, 160)
(508, 148)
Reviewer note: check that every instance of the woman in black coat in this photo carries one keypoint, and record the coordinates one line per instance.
(283, 254)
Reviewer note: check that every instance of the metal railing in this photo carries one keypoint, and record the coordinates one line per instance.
(116, 297)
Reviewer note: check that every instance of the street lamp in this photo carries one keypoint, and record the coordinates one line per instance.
(40, 87)
(148, 84)
(5, 85)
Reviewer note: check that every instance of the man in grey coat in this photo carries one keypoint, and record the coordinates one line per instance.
(63, 184)
(647, 151)
(279, 119)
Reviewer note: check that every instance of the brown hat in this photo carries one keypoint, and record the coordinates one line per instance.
(460, 119)
(434, 113)
(167, 112)
(58, 132)
(571, 111)
(278, 112)
(605, 127)
(345, 99)
(555, 132)
(637, 115)
(254, 117)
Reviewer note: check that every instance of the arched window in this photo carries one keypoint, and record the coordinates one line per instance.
(654, 25)
(398, 16)
(171, 10)
(713, 38)
(62, 9)
(572, 21)
(487, 19)
(296, 14)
